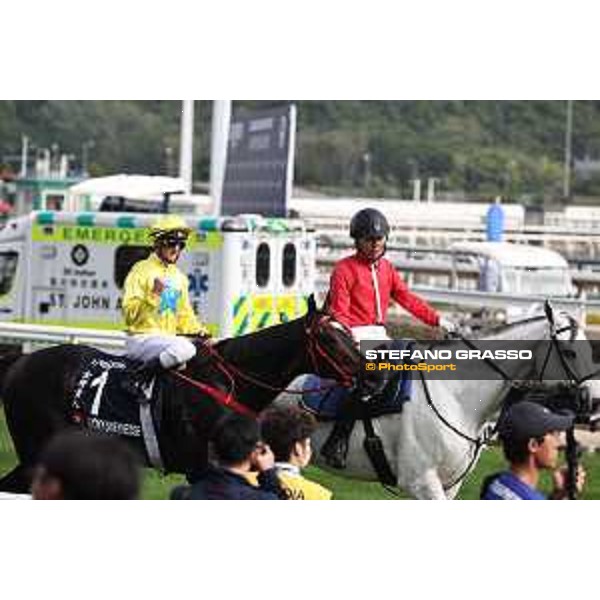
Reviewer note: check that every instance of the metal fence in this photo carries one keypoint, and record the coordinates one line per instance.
(33, 336)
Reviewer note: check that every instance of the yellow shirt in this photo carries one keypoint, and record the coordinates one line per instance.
(295, 485)
(298, 487)
(169, 312)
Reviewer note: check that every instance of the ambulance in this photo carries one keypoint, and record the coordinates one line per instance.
(68, 268)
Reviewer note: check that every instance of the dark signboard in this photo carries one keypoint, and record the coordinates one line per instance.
(260, 160)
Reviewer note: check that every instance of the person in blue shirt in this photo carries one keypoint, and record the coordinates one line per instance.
(530, 436)
(239, 453)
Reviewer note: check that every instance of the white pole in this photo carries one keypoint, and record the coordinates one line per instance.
(64, 166)
(431, 181)
(291, 158)
(218, 152)
(186, 144)
(416, 190)
(47, 164)
(24, 151)
(568, 146)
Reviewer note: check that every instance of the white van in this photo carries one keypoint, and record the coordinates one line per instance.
(518, 268)
(68, 268)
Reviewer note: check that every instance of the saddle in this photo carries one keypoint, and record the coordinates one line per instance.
(328, 404)
(348, 406)
(109, 397)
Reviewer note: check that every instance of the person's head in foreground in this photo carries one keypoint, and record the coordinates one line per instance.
(530, 435)
(237, 444)
(83, 465)
(287, 431)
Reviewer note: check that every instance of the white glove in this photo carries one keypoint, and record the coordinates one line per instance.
(447, 325)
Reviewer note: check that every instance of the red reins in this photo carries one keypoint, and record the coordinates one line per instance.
(225, 399)
(230, 371)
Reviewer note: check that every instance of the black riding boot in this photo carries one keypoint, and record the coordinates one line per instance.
(148, 370)
(335, 449)
(141, 376)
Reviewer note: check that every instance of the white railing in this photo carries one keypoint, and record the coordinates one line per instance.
(29, 335)
(572, 245)
(430, 264)
(476, 300)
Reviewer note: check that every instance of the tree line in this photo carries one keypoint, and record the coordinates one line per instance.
(375, 148)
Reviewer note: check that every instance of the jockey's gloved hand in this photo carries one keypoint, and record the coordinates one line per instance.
(448, 326)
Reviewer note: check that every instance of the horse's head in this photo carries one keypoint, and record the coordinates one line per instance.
(562, 356)
(573, 359)
(332, 350)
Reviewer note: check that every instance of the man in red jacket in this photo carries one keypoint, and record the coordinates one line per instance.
(362, 285)
(360, 291)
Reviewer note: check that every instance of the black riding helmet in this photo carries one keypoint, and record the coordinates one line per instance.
(368, 223)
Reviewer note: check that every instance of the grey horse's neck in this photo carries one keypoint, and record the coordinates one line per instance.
(535, 328)
(480, 399)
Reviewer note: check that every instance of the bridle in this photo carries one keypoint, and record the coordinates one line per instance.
(487, 434)
(344, 376)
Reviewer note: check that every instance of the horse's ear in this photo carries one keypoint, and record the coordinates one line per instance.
(549, 312)
(312, 304)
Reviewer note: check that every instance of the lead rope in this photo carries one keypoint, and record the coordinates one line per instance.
(479, 442)
(487, 435)
(484, 439)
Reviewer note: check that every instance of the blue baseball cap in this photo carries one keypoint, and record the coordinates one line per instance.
(526, 420)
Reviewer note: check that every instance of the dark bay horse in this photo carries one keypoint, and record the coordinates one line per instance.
(252, 370)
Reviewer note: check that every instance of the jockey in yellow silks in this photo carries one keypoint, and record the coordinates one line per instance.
(156, 302)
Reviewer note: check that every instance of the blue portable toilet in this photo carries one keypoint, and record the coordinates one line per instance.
(495, 222)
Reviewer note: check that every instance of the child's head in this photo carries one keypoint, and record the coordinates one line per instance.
(287, 431)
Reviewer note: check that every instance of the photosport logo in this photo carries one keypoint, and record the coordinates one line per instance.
(476, 359)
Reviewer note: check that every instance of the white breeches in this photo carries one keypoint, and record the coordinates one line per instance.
(171, 350)
(370, 332)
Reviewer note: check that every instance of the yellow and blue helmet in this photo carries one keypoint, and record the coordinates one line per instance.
(170, 226)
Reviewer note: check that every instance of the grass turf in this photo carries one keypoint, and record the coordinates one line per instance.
(157, 486)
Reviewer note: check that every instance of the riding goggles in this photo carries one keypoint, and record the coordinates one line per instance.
(172, 242)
